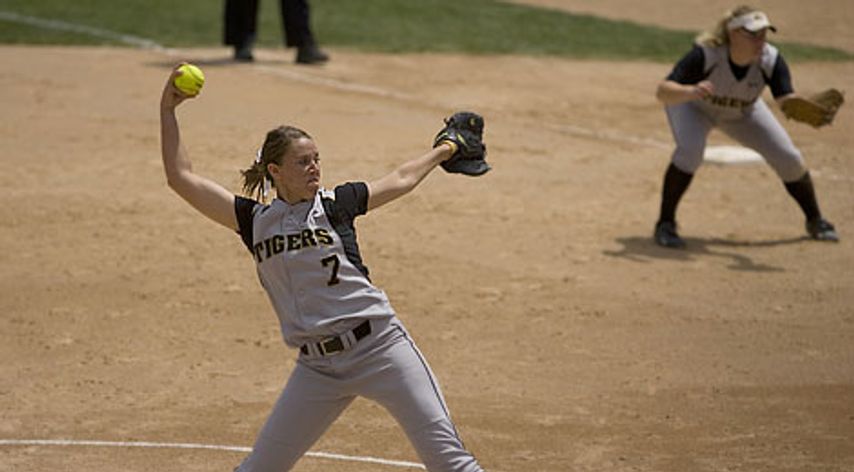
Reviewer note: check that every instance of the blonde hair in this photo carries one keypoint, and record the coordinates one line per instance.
(719, 34)
(275, 146)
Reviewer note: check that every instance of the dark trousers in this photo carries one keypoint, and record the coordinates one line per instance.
(241, 20)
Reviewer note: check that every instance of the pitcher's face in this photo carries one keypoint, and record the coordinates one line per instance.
(298, 176)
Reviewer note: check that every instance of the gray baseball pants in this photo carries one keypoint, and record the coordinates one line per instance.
(385, 367)
(755, 128)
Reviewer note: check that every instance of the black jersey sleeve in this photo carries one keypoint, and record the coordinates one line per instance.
(243, 210)
(689, 69)
(780, 81)
(351, 199)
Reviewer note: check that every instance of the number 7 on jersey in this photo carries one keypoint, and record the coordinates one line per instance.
(333, 259)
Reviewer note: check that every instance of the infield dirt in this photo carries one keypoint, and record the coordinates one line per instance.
(563, 338)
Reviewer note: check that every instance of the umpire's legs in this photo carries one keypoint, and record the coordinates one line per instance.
(240, 22)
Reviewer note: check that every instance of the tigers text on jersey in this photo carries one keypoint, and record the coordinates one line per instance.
(730, 91)
(736, 88)
(308, 262)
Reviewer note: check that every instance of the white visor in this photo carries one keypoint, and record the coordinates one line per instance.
(753, 21)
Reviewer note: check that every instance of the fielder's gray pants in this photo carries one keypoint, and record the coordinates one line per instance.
(755, 128)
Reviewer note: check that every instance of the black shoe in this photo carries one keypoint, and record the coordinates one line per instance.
(665, 235)
(821, 230)
(243, 54)
(311, 55)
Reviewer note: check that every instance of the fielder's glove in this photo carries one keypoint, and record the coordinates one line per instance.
(817, 110)
(465, 130)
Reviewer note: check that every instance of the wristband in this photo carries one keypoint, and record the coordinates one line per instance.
(453, 145)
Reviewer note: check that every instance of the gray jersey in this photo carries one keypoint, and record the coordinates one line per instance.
(309, 264)
(734, 97)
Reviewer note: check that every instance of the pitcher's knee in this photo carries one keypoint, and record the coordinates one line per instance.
(452, 460)
(441, 449)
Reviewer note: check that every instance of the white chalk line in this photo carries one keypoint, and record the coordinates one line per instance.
(608, 135)
(58, 25)
(334, 83)
(164, 445)
(144, 43)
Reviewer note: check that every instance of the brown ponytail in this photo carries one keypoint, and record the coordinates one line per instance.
(275, 145)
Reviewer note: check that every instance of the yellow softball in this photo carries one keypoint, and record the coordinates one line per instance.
(191, 79)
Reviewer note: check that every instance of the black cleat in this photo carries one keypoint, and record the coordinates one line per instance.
(311, 55)
(243, 54)
(821, 230)
(665, 235)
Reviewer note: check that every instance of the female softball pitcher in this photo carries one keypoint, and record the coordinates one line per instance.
(304, 245)
(719, 84)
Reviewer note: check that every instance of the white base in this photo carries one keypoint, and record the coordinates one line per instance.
(726, 155)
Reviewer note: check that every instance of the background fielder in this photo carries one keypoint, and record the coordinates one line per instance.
(719, 84)
(351, 343)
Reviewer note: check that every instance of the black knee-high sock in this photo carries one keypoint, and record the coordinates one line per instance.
(675, 184)
(803, 192)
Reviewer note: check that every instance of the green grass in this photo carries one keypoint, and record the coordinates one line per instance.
(393, 26)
